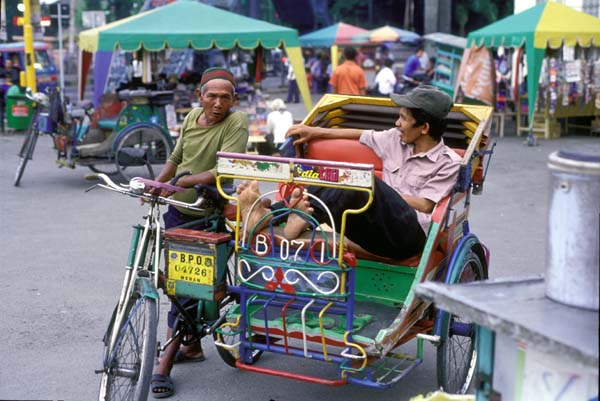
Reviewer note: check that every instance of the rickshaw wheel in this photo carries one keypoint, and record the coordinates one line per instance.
(456, 354)
(146, 137)
(128, 367)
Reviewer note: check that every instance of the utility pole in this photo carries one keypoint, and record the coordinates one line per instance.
(29, 53)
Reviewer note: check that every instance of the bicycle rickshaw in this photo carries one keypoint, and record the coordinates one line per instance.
(320, 296)
(133, 142)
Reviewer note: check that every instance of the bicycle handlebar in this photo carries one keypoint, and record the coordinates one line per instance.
(136, 189)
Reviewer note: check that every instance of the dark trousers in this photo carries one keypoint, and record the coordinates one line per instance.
(389, 227)
(293, 94)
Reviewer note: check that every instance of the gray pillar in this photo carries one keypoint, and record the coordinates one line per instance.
(437, 16)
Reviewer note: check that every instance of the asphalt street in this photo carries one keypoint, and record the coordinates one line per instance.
(63, 252)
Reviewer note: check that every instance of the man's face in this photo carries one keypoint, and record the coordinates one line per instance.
(406, 124)
(217, 100)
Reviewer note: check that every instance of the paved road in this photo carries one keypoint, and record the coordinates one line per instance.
(62, 255)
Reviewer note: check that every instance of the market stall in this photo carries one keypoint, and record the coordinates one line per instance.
(387, 33)
(448, 52)
(562, 64)
(331, 37)
(186, 24)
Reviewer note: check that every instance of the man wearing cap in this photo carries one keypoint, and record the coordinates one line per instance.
(418, 171)
(205, 130)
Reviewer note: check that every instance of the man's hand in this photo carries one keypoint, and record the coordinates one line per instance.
(304, 133)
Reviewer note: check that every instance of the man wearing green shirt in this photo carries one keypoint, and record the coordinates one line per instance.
(205, 131)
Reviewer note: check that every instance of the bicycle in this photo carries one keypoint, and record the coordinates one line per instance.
(130, 343)
(136, 143)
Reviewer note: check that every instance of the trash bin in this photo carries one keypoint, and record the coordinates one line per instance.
(19, 109)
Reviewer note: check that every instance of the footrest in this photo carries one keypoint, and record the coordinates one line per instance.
(384, 372)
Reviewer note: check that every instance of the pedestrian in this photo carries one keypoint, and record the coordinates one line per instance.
(279, 121)
(349, 78)
(385, 80)
(316, 73)
(421, 170)
(412, 67)
(12, 72)
(293, 94)
(206, 130)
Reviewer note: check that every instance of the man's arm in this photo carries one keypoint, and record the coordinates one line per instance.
(306, 133)
(420, 204)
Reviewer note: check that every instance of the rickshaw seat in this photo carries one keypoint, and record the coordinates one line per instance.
(108, 124)
(344, 150)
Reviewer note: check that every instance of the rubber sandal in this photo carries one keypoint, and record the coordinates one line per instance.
(159, 383)
(181, 357)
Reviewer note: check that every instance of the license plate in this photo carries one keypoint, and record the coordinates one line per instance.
(191, 267)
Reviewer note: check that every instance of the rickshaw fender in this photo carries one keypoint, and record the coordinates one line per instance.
(131, 127)
(146, 288)
(468, 243)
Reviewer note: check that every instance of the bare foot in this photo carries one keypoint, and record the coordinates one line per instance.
(297, 223)
(248, 193)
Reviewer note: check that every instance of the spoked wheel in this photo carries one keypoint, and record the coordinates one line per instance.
(227, 334)
(128, 366)
(27, 148)
(456, 354)
(141, 151)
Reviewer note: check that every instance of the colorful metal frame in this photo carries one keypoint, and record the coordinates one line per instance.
(287, 303)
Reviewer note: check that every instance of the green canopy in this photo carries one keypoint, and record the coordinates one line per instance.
(185, 24)
(548, 24)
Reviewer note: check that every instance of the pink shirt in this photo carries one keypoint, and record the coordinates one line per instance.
(429, 175)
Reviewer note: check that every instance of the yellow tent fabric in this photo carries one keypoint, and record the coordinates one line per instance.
(560, 25)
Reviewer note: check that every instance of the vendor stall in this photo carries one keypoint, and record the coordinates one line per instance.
(566, 42)
(188, 24)
(448, 52)
(331, 37)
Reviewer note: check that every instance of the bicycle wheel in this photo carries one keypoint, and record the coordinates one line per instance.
(128, 366)
(27, 148)
(456, 354)
(142, 137)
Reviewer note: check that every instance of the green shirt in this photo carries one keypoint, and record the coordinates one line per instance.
(197, 147)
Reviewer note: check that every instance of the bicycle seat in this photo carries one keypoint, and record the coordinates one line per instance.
(84, 104)
(128, 94)
(77, 112)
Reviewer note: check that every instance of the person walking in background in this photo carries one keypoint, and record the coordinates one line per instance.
(293, 94)
(385, 80)
(278, 122)
(349, 78)
(412, 67)
(12, 72)
(316, 73)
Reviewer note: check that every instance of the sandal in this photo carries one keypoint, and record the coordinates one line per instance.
(161, 386)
